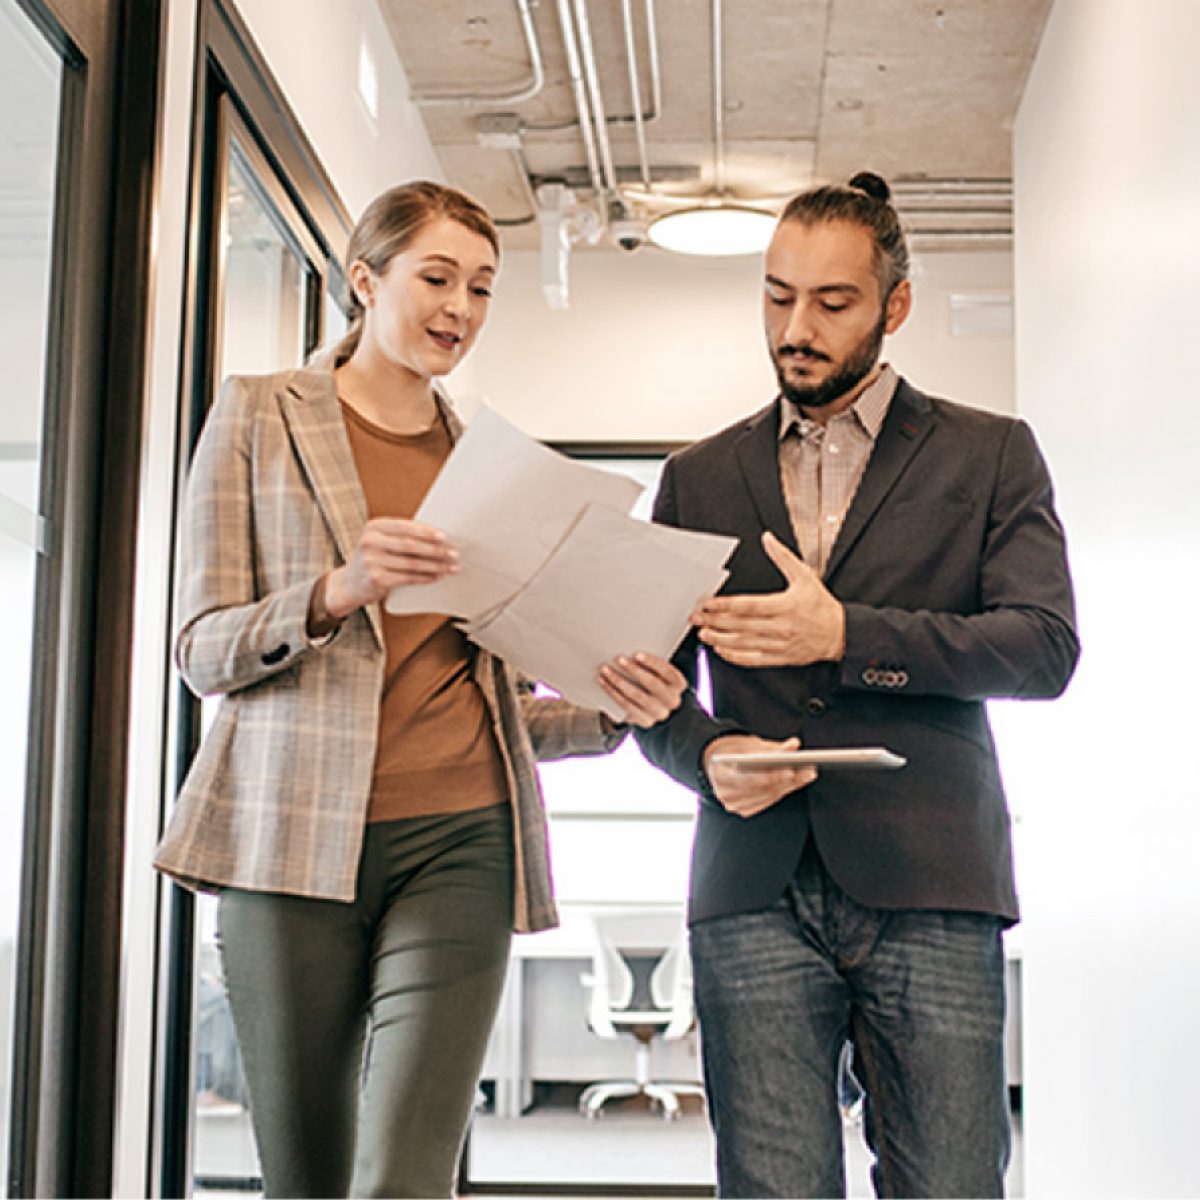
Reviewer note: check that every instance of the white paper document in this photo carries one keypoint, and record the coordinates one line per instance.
(505, 502)
(615, 585)
(555, 576)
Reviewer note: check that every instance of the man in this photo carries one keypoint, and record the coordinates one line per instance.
(900, 562)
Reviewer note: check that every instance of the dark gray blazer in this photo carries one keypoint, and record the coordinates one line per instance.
(952, 570)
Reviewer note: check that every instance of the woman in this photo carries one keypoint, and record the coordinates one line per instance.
(366, 802)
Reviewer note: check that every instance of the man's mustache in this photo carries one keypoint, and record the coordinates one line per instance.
(787, 350)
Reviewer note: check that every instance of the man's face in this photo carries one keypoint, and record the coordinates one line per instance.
(825, 318)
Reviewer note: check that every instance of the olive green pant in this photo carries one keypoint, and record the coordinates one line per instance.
(363, 1026)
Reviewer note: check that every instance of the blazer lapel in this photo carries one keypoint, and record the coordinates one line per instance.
(310, 408)
(758, 456)
(908, 423)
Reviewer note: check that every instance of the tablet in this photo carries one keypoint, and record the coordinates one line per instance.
(877, 758)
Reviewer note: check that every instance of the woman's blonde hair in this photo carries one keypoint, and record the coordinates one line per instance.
(390, 223)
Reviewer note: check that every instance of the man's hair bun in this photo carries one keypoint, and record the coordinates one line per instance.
(865, 201)
(874, 185)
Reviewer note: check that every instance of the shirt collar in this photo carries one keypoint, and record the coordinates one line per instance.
(869, 410)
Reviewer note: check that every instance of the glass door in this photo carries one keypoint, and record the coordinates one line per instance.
(269, 280)
(30, 90)
(269, 271)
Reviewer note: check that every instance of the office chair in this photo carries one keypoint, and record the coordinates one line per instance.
(670, 1017)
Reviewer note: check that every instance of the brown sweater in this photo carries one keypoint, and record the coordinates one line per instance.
(437, 752)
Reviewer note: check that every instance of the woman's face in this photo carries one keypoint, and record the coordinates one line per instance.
(424, 311)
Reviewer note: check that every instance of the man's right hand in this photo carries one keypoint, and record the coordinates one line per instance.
(745, 793)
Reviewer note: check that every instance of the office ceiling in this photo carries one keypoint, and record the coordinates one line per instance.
(748, 99)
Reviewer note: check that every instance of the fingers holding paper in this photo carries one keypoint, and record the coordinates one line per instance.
(391, 553)
(747, 793)
(646, 687)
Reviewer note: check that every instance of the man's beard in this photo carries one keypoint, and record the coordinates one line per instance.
(857, 366)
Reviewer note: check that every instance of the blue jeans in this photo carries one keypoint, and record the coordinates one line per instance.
(920, 994)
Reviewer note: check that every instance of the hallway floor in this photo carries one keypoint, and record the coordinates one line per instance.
(629, 1144)
(552, 1144)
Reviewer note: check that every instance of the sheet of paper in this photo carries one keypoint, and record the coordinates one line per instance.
(614, 585)
(505, 502)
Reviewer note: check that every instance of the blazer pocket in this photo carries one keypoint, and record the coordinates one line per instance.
(952, 507)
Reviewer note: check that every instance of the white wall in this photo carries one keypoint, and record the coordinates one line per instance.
(659, 347)
(313, 48)
(1108, 301)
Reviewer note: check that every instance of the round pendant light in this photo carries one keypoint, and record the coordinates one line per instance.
(714, 230)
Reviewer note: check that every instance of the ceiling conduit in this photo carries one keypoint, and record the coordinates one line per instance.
(592, 75)
(579, 91)
(653, 113)
(635, 86)
(525, 91)
(718, 94)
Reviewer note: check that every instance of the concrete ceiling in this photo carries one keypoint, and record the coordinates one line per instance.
(754, 99)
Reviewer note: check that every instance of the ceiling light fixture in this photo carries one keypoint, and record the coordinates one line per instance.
(714, 230)
(719, 227)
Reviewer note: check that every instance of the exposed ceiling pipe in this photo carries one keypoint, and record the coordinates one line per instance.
(718, 93)
(579, 90)
(635, 88)
(525, 92)
(942, 185)
(554, 201)
(524, 175)
(998, 237)
(596, 99)
(653, 113)
(655, 68)
(969, 211)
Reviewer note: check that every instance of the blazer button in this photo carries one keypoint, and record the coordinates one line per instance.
(273, 657)
(815, 706)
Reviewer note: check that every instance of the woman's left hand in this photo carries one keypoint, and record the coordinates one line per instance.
(647, 687)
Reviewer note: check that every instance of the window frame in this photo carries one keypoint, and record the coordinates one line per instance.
(236, 97)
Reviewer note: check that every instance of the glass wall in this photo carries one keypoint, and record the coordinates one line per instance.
(264, 305)
(30, 88)
(268, 277)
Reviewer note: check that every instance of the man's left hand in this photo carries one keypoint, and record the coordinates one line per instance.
(800, 625)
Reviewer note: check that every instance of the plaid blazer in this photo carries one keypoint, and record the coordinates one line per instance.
(276, 798)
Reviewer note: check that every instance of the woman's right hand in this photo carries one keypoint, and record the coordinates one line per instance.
(391, 553)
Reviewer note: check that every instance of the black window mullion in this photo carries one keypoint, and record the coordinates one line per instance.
(236, 99)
